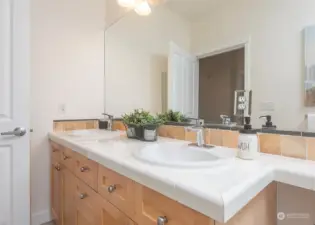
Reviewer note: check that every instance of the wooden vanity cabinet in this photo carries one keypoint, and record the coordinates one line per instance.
(96, 195)
(74, 200)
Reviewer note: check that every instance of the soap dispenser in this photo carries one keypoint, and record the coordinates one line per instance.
(268, 124)
(248, 142)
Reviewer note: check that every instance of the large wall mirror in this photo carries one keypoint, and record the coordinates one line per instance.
(192, 55)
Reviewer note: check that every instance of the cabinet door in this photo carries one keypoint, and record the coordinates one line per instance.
(117, 189)
(87, 207)
(68, 192)
(56, 193)
(153, 208)
(110, 215)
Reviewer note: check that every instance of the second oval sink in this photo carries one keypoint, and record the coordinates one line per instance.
(178, 155)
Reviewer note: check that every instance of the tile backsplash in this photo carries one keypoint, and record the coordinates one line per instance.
(68, 125)
(277, 144)
(270, 143)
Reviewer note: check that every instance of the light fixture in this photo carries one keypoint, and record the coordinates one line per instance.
(143, 8)
(127, 3)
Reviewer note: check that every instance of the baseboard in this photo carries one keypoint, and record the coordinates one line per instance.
(41, 217)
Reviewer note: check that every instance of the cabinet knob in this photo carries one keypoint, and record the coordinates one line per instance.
(162, 220)
(83, 169)
(82, 196)
(65, 157)
(57, 167)
(111, 188)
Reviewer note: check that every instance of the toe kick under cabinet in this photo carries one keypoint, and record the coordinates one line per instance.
(86, 193)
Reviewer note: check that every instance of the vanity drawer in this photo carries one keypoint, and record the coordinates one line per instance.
(152, 207)
(117, 189)
(86, 170)
(68, 158)
(56, 150)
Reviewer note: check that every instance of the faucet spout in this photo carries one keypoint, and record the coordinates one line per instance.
(110, 121)
(200, 135)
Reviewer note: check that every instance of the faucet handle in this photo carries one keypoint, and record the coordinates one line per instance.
(109, 116)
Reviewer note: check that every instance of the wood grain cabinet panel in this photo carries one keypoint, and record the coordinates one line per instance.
(56, 151)
(68, 192)
(86, 205)
(262, 210)
(86, 170)
(152, 206)
(68, 158)
(110, 215)
(117, 189)
(56, 192)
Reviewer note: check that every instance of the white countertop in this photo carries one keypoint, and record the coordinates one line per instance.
(218, 192)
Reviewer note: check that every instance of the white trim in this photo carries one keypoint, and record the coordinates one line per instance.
(243, 44)
(41, 217)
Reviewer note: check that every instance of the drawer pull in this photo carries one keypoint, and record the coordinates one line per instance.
(83, 169)
(65, 157)
(111, 188)
(82, 196)
(57, 167)
(162, 220)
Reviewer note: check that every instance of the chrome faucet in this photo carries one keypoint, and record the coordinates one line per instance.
(110, 121)
(200, 135)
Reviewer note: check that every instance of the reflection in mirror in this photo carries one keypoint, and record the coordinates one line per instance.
(310, 66)
(193, 56)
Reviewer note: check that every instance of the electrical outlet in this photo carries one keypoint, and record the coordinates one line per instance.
(62, 108)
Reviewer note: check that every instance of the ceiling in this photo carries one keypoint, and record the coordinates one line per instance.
(191, 10)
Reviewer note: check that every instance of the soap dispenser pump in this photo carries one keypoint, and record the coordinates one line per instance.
(268, 124)
(248, 142)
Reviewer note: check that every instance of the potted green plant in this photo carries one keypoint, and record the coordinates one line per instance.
(142, 125)
(172, 117)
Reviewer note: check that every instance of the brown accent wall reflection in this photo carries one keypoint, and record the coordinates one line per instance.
(219, 77)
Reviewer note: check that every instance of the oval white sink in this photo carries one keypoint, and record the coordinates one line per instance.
(178, 155)
(90, 136)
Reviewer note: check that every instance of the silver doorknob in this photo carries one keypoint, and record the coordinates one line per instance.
(111, 188)
(161, 220)
(19, 132)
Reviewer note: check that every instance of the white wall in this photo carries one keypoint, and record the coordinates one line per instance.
(274, 29)
(136, 54)
(67, 41)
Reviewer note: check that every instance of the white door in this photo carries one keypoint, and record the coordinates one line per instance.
(14, 112)
(183, 81)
